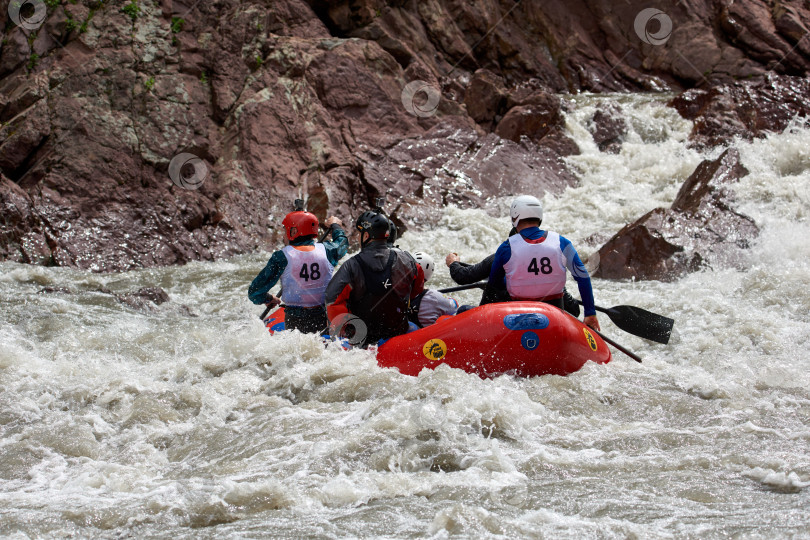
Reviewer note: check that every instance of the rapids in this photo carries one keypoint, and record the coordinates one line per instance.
(188, 420)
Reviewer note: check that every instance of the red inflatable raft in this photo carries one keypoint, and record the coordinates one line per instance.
(519, 338)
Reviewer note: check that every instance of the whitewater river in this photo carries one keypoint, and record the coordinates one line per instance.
(190, 421)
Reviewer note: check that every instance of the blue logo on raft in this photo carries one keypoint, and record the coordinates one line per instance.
(530, 341)
(278, 327)
(526, 321)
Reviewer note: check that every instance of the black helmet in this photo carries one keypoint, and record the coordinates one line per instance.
(374, 224)
(392, 233)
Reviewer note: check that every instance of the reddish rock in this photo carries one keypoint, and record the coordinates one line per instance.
(699, 230)
(608, 128)
(485, 97)
(297, 98)
(452, 164)
(23, 136)
(534, 117)
(144, 298)
(15, 51)
(580, 45)
(747, 110)
(24, 234)
(559, 143)
(537, 115)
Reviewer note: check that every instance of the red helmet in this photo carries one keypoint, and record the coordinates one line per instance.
(300, 224)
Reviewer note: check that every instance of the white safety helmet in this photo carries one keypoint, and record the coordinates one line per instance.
(426, 262)
(526, 207)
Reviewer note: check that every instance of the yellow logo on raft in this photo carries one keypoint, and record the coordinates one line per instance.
(589, 337)
(434, 350)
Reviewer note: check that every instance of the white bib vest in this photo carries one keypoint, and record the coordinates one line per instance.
(307, 274)
(535, 271)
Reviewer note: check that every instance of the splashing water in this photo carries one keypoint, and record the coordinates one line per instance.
(116, 421)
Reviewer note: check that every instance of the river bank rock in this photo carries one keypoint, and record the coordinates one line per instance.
(167, 132)
(745, 109)
(699, 230)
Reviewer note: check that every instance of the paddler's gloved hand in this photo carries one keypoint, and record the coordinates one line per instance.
(592, 322)
(271, 301)
(570, 304)
(333, 221)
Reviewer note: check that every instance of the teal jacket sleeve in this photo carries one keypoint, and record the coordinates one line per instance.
(267, 278)
(337, 248)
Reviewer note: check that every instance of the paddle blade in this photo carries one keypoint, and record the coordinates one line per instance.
(642, 323)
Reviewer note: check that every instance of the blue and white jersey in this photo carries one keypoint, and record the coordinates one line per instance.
(560, 254)
(535, 270)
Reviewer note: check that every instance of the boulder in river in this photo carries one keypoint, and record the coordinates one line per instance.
(700, 229)
(609, 128)
(744, 109)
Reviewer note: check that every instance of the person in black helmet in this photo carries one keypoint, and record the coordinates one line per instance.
(375, 285)
(392, 234)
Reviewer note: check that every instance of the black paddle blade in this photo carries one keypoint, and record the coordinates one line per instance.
(641, 323)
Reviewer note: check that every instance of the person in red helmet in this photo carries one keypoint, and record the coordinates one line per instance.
(305, 268)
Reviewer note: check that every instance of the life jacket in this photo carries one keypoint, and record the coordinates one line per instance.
(535, 271)
(384, 313)
(306, 276)
(413, 311)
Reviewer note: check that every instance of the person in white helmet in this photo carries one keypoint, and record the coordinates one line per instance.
(532, 264)
(429, 304)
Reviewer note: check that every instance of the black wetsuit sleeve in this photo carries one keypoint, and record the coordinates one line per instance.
(464, 274)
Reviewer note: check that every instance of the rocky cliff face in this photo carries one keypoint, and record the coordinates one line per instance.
(145, 132)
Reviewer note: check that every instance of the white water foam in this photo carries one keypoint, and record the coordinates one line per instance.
(121, 422)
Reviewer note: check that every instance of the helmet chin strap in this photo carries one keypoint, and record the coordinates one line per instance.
(365, 238)
(368, 239)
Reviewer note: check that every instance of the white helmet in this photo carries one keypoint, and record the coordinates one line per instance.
(526, 207)
(426, 262)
